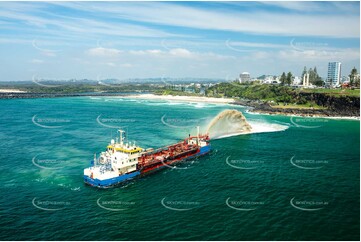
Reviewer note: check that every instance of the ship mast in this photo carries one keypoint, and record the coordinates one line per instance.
(197, 135)
(121, 138)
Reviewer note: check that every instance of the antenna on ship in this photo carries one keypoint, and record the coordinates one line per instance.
(121, 138)
(126, 135)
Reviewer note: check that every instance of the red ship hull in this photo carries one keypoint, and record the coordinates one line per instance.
(169, 155)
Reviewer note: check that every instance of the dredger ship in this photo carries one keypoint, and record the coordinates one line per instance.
(123, 161)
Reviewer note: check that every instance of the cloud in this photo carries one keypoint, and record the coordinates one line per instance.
(321, 55)
(49, 23)
(180, 52)
(344, 7)
(254, 44)
(146, 52)
(36, 61)
(176, 38)
(299, 6)
(257, 21)
(14, 41)
(103, 52)
(154, 51)
(301, 19)
(126, 65)
(263, 62)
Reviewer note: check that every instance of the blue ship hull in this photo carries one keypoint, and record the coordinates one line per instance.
(126, 177)
(110, 182)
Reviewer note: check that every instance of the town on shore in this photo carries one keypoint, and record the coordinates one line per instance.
(286, 94)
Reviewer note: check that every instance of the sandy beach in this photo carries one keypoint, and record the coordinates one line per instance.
(181, 98)
(10, 90)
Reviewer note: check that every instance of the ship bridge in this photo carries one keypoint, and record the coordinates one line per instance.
(124, 149)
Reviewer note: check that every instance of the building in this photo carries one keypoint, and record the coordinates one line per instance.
(271, 80)
(333, 74)
(244, 77)
(297, 81)
(268, 80)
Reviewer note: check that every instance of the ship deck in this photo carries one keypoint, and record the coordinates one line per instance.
(167, 155)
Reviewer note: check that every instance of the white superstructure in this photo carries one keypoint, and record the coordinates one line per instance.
(120, 158)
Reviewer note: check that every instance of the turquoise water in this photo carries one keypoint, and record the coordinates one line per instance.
(246, 189)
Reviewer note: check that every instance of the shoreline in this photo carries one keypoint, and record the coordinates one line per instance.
(181, 98)
(258, 112)
(260, 107)
(255, 107)
(4, 90)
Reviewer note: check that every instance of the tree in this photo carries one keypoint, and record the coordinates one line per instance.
(354, 78)
(311, 74)
(318, 81)
(289, 78)
(315, 79)
(304, 72)
(283, 79)
(315, 70)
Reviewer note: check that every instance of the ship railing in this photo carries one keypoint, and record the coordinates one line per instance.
(102, 169)
(106, 167)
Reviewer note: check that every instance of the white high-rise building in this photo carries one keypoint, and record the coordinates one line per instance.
(334, 73)
(244, 77)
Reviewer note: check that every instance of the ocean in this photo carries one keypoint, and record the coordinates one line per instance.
(291, 179)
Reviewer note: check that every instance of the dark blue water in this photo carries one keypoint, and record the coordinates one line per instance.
(248, 188)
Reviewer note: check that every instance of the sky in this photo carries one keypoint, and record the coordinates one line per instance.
(122, 40)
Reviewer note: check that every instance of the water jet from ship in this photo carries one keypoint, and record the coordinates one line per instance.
(228, 123)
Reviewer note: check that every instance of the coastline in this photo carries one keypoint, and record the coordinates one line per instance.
(181, 98)
(309, 113)
(255, 107)
(259, 107)
(4, 90)
(258, 112)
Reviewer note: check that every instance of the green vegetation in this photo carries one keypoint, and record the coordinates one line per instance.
(255, 92)
(315, 79)
(334, 92)
(283, 79)
(283, 96)
(277, 95)
(354, 78)
(307, 105)
(79, 88)
(174, 93)
(286, 79)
